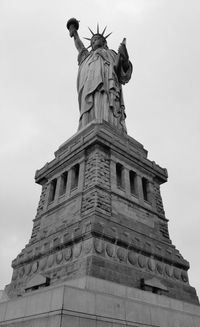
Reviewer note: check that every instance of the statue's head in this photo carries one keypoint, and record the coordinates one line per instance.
(98, 40)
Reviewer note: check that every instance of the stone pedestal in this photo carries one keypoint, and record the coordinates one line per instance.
(91, 302)
(101, 218)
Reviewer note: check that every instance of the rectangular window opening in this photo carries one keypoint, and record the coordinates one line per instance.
(145, 188)
(120, 175)
(63, 183)
(75, 176)
(52, 190)
(133, 182)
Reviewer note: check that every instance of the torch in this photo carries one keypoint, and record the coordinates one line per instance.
(72, 25)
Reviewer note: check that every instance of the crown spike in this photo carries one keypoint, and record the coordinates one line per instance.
(97, 28)
(89, 46)
(108, 35)
(90, 31)
(87, 38)
(103, 31)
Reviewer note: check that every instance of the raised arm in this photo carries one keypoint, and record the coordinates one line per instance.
(73, 26)
(77, 41)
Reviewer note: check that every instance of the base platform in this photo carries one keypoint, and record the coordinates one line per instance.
(92, 302)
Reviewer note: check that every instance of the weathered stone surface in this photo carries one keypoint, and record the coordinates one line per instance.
(98, 227)
(98, 303)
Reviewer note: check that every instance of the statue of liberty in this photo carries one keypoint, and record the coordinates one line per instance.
(101, 74)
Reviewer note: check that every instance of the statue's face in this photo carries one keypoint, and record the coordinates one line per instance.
(97, 42)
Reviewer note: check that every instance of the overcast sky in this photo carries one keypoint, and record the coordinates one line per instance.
(39, 106)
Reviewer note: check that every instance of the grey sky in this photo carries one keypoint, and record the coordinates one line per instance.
(39, 108)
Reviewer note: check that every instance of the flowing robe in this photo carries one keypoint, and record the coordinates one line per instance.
(99, 87)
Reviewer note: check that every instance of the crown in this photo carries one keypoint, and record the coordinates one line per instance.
(97, 33)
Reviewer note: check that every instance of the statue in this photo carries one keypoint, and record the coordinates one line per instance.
(101, 74)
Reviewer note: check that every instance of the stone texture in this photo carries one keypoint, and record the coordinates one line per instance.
(97, 303)
(98, 228)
